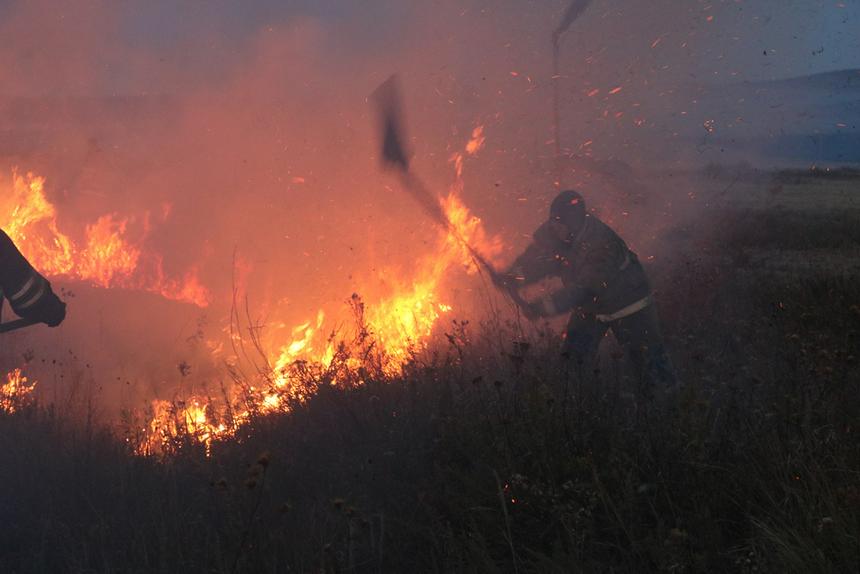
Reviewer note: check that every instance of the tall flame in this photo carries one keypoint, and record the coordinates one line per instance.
(16, 392)
(107, 257)
(393, 327)
(399, 324)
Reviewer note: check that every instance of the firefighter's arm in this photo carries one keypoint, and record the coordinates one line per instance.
(29, 294)
(530, 267)
(534, 264)
(537, 262)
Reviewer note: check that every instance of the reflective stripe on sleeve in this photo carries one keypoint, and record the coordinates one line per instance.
(24, 288)
(30, 292)
(32, 300)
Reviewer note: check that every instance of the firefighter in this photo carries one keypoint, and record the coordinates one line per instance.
(604, 287)
(29, 294)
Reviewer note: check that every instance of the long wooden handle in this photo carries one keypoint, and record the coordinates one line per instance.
(17, 324)
(395, 156)
(413, 184)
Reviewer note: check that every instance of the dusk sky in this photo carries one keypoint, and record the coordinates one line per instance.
(429, 286)
(804, 35)
(118, 47)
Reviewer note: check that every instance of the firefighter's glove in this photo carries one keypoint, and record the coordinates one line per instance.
(50, 310)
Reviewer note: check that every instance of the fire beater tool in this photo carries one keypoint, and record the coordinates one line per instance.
(16, 324)
(396, 156)
(574, 10)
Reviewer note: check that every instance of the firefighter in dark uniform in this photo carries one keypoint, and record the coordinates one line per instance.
(604, 287)
(29, 294)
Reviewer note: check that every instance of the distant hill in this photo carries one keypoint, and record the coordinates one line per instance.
(838, 80)
(807, 119)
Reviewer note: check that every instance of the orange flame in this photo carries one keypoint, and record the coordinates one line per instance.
(399, 325)
(106, 258)
(16, 392)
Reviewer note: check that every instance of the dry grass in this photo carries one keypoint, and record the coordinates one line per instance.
(488, 458)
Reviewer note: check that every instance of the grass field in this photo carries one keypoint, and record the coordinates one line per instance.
(494, 454)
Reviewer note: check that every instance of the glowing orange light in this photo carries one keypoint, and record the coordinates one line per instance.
(107, 256)
(400, 325)
(16, 392)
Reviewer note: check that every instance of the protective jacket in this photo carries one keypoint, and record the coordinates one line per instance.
(29, 294)
(599, 273)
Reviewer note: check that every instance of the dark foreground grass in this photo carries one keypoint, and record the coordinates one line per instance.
(494, 456)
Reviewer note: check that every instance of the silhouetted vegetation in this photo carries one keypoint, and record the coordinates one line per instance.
(494, 454)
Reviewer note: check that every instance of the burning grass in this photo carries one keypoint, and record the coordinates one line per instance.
(262, 373)
(16, 393)
(387, 335)
(384, 337)
(107, 256)
(492, 456)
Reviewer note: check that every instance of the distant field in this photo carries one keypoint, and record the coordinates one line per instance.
(819, 189)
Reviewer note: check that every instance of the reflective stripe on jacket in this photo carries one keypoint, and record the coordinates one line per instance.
(22, 285)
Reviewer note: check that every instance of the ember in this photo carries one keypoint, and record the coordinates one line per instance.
(16, 392)
(390, 331)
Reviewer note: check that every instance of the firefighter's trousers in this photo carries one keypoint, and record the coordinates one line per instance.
(639, 335)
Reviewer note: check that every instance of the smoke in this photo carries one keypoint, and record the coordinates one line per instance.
(245, 132)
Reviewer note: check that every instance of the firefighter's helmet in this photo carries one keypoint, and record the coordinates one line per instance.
(568, 208)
